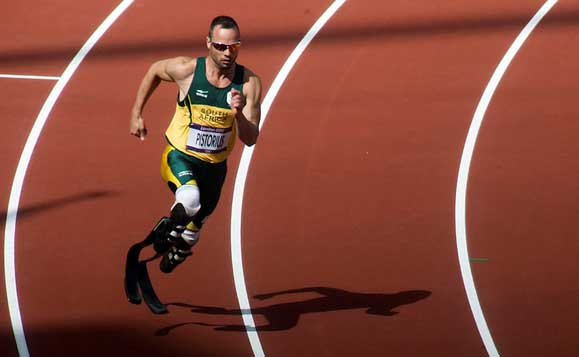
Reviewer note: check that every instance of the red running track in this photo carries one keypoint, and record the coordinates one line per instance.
(349, 204)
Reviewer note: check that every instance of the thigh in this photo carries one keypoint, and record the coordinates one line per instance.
(210, 182)
(176, 169)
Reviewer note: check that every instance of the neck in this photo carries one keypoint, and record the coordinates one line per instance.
(214, 71)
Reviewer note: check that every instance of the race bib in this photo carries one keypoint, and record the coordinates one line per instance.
(206, 139)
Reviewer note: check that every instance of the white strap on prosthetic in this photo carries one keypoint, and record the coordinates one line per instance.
(176, 233)
(191, 237)
(189, 197)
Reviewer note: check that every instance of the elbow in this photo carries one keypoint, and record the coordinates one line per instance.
(248, 134)
(250, 141)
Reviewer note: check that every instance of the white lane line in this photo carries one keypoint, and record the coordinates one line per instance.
(27, 76)
(237, 205)
(461, 187)
(17, 183)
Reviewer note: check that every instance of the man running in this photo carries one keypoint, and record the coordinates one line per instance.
(218, 100)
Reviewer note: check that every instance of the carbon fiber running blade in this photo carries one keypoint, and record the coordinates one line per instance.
(132, 263)
(132, 274)
(151, 299)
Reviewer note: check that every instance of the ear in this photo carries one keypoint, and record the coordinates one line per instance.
(208, 43)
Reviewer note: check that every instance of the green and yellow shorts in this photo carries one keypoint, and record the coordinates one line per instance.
(178, 169)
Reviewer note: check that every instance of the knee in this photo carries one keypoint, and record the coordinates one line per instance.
(189, 197)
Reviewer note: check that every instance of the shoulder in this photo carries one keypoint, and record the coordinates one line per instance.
(181, 67)
(251, 82)
(249, 75)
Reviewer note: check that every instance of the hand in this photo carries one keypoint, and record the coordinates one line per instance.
(138, 128)
(237, 101)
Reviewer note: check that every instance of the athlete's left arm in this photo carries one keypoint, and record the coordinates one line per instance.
(248, 118)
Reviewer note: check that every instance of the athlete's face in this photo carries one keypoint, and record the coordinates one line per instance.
(223, 46)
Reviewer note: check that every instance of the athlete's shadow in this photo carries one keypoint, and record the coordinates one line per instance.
(284, 316)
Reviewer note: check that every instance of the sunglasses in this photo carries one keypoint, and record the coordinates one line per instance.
(222, 46)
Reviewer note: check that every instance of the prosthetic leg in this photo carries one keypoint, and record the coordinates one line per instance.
(172, 239)
(136, 274)
(177, 253)
(184, 235)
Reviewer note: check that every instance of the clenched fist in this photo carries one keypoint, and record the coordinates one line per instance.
(237, 101)
(137, 127)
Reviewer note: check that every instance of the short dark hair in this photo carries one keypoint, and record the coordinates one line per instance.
(225, 22)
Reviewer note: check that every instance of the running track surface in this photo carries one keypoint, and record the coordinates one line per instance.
(348, 217)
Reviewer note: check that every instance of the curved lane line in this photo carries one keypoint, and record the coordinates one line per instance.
(237, 204)
(461, 187)
(17, 183)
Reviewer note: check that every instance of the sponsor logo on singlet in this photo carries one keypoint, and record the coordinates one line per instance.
(201, 93)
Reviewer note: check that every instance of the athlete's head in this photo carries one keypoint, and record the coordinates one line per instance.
(223, 41)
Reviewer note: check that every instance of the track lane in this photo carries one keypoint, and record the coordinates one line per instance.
(25, 34)
(463, 173)
(522, 201)
(82, 245)
(389, 121)
(103, 190)
(18, 113)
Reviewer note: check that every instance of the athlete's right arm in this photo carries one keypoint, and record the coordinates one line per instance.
(170, 70)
